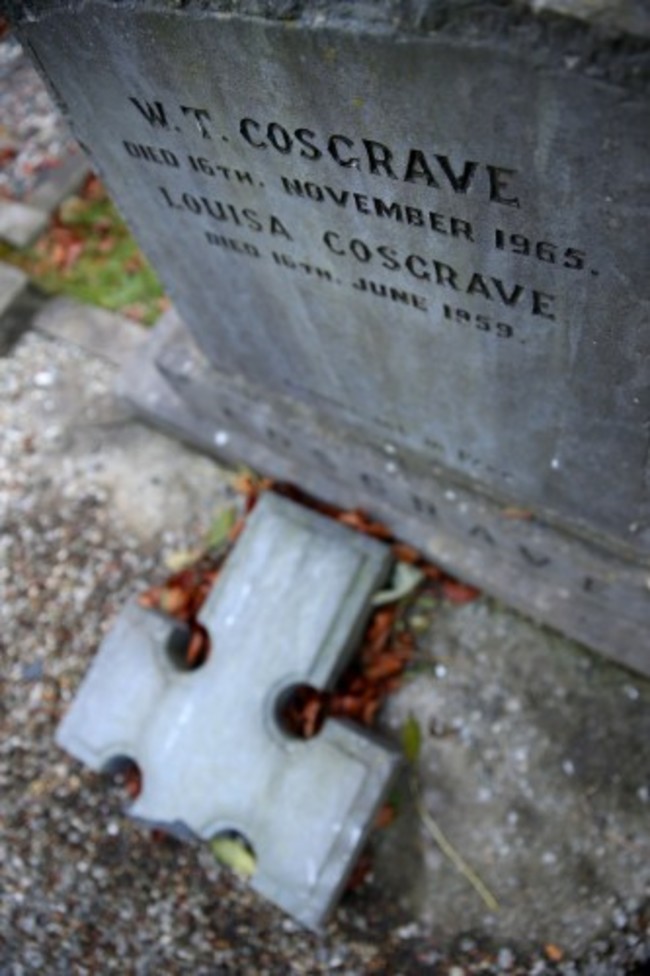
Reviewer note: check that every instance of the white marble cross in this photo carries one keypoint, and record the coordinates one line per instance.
(287, 609)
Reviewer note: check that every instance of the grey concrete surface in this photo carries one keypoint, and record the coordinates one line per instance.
(534, 757)
(536, 765)
(95, 330)
(20, 223)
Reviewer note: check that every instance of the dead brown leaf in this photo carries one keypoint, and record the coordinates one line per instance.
(385, 816)
(512, 512)
(459, 593)
(7, 153)
(405, 553)
(236, 530)
(432, 572)
(93, 189)
(360, 872)
(198, 646)
(356, 519)
(553, 952)
(134, 263)
(133, 781)
(175, 601)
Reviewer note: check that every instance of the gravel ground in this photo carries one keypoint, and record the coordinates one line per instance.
(34, 139)
(91, 503)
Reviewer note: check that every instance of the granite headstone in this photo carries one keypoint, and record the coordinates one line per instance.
(406, 241)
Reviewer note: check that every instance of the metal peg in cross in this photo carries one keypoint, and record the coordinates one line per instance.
(286, 610)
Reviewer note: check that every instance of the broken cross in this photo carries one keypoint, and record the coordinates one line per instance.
(287, 609)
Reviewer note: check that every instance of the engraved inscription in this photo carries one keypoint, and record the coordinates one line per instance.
(408, 165)
(433, 235)
(440, 274)
(379, 207)
(430, 169)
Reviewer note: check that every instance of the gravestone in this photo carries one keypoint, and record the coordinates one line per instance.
(288, 609)
(407, 245)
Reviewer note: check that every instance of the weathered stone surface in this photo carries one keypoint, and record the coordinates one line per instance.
(534, 764)
(20, 224)
(419, 224)
(62, 181)
(586, 591)
(93, 329)
(286, 610)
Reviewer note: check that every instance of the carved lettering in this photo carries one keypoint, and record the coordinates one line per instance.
(151, 154)
(199, 115)
(153, 112)
(470, 298)
(393, 294)
(441, 274)
(201, 206)
(377, 207)
(535, 559)
(375, 158)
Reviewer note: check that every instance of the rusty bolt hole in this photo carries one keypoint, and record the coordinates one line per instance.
(188, 646)
(302, 710)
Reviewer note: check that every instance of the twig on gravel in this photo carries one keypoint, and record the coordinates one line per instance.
(450, 851)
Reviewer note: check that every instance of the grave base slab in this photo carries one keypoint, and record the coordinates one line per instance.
(579, 585)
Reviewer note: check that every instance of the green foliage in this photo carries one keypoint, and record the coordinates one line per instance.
(89, 254)
(235, 854)
(411, 736)
(217, 534)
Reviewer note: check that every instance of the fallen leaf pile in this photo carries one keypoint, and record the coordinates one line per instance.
(375, 672)
(88, 253)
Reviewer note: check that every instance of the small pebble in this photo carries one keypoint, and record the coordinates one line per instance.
(505, 959)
